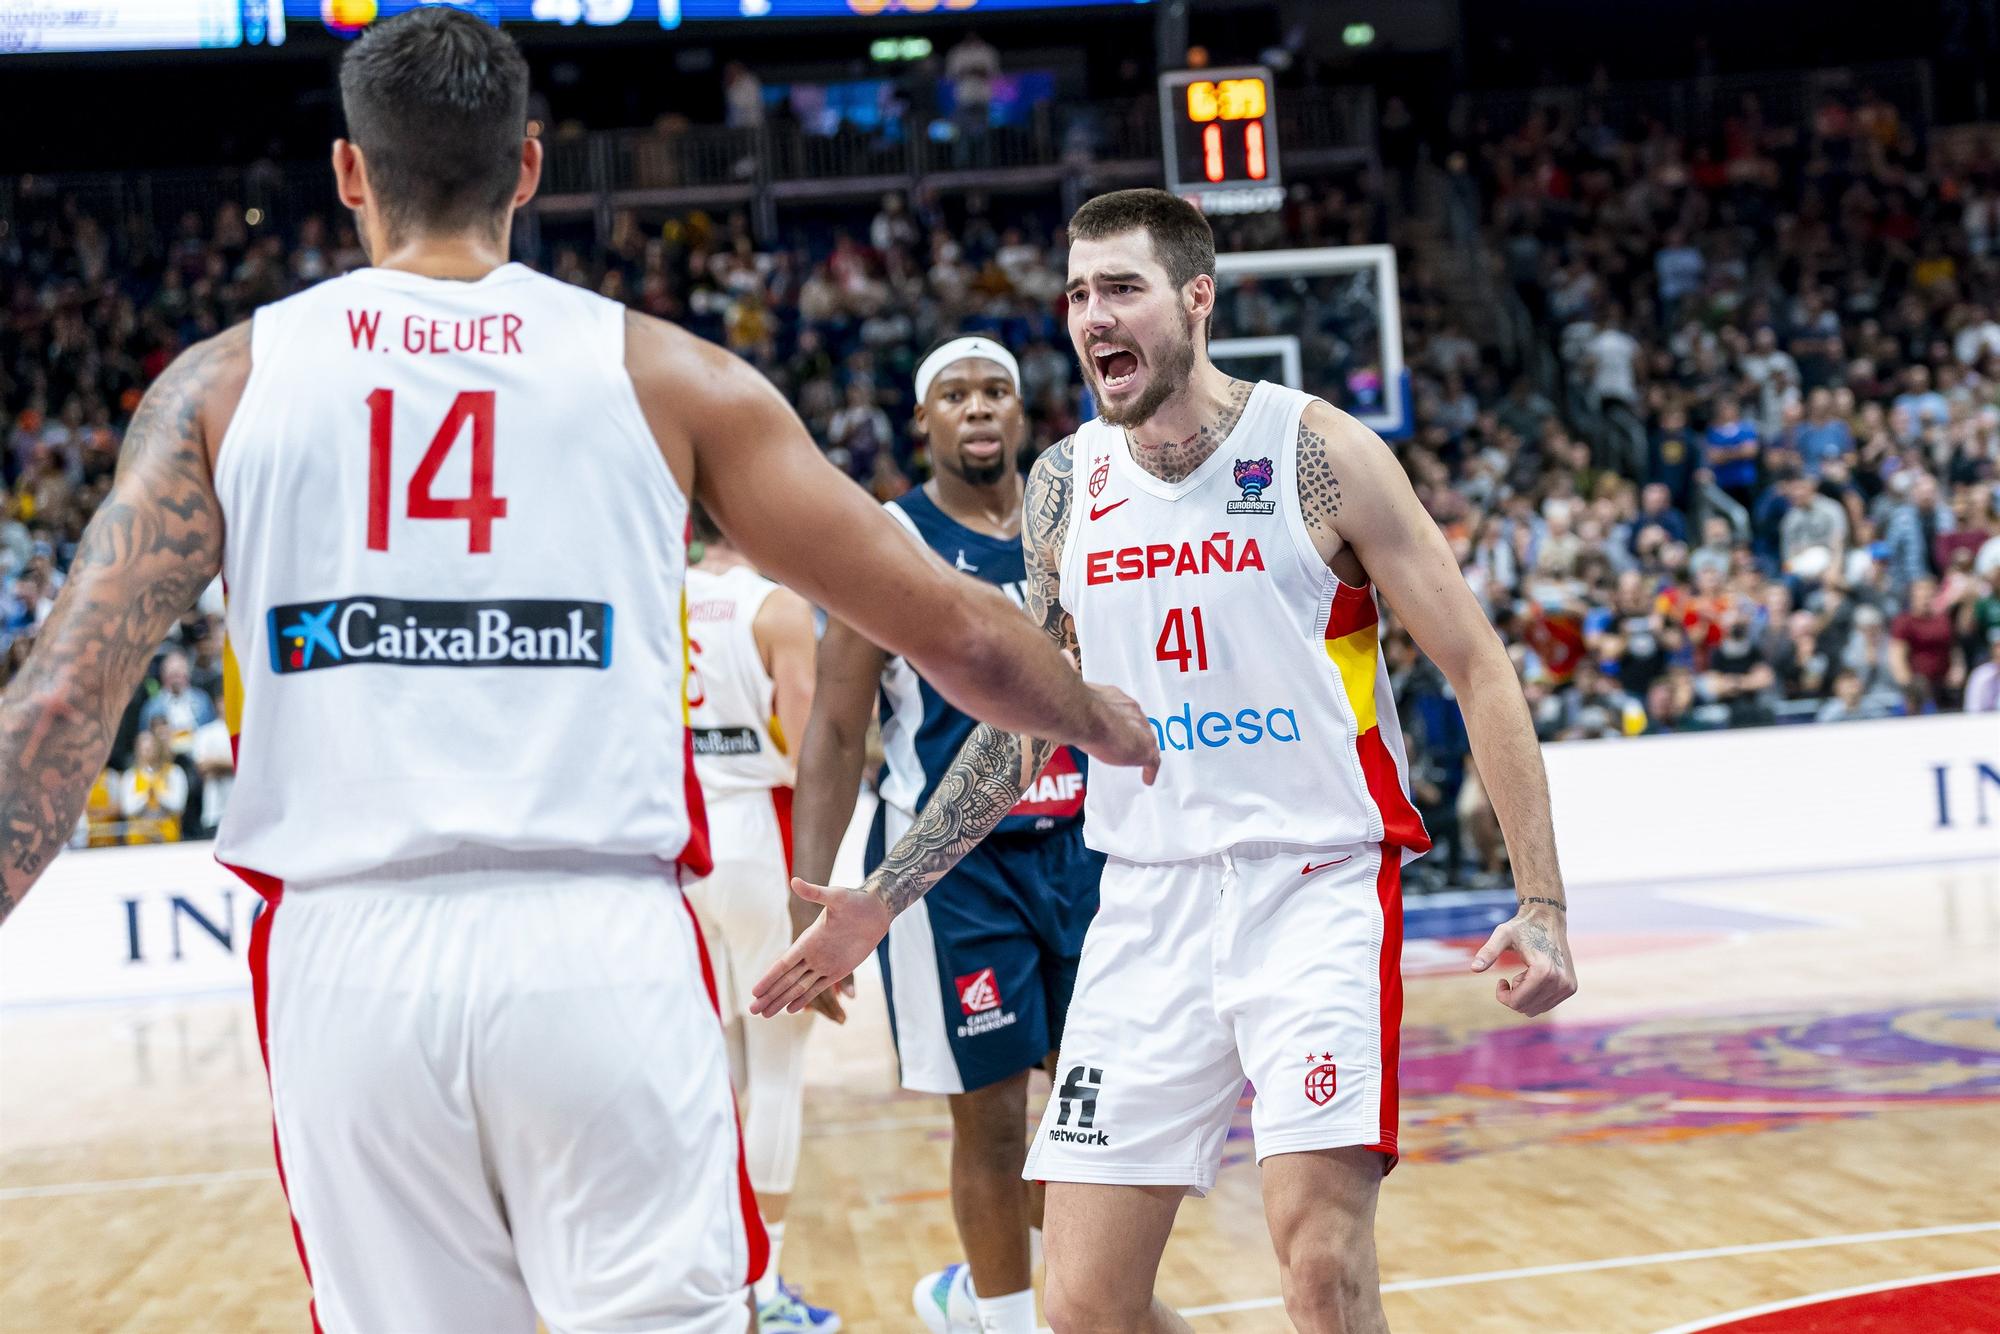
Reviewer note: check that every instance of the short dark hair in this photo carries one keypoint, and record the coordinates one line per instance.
(437, 101)
(1182, 238)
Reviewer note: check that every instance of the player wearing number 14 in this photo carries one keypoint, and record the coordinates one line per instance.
(1215, 548)
(465, 790)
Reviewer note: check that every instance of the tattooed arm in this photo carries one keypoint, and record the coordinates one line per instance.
(154, 544)
(993, 768)
(984, 782)
(1382, 533)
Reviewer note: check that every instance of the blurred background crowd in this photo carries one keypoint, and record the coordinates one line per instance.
(1711, 417)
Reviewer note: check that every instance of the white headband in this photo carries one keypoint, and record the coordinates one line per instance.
(964, 349)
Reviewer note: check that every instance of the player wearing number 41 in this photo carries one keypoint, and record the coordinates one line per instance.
(1216, 548)
(978, 979)
(455, 613)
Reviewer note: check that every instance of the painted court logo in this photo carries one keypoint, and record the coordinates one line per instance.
(367, 630)
(1255, 477)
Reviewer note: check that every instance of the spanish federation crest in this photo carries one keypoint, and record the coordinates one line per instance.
(1254, 476)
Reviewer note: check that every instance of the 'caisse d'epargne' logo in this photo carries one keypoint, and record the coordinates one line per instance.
(1255, 477)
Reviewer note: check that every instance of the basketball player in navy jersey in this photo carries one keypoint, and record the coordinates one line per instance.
(979, 980)
(1216, 547)
(498, 1081)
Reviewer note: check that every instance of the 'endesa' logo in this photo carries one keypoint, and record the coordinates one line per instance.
(1213, 730)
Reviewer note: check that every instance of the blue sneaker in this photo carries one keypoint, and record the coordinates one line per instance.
(944, 1301)
(789, 1313)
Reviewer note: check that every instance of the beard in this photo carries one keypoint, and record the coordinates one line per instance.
(981, 474)
(1165, 377)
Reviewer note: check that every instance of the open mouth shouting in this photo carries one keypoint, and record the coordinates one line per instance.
(1117, 367)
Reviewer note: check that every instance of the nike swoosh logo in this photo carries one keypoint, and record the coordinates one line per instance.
(1097, 513)
(1310, 868)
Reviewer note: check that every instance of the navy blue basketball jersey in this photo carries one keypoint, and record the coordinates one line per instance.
(921, 733)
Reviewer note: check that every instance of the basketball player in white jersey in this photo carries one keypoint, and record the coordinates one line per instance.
(751, 645)
(449, 498)
(1216, 547)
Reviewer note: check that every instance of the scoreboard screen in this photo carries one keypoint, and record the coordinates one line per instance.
(37, 26)
(1219, 132)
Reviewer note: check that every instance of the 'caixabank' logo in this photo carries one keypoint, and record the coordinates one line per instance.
(366, 630)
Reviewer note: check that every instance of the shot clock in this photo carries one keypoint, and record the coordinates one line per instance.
(1219, 130)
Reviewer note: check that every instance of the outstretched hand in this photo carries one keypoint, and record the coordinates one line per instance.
(1124, 736)
(852, 923)
(1538, 935)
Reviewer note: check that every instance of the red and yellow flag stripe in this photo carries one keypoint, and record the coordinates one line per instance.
(1352, 643)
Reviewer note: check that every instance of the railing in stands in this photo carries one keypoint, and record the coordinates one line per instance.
(595, 172)
(1700, 105)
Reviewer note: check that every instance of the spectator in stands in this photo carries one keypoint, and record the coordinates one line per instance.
(1913, 528)
(1656, 511)
(1982, 687)
(860, 431)
(153, 794)
(743, 97)
(1849, 702)
(1926, 406)
(185, 707)
(1614, 362)
(1924, 649)
(972, 66)
(1730, 452)
(214, 759)
(1822, 438)
(1812, 537)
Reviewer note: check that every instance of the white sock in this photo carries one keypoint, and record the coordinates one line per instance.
(1034, 1247)
(1011, 1314)
(766, 1287)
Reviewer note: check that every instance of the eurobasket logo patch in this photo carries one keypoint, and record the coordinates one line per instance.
(367, 630)
(1254, 476)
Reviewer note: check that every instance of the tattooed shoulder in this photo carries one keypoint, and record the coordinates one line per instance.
(1047, 500)
(1319, 487)
(1044, 530)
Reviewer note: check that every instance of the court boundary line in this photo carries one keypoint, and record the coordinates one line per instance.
(1774, 873)
(1816, 1298)
(1625, 1262)
(59, 1189)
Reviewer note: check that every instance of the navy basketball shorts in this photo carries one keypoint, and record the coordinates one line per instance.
(979, 971)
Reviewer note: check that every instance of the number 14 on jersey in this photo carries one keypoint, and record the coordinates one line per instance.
(479, 509)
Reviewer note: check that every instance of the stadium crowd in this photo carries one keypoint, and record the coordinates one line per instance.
(1800, 323)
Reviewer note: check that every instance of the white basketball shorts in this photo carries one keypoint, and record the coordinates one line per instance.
(1279, 963)
(745, 903)
(500, 1089)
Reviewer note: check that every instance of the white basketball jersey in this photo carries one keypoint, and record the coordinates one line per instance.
(1205, 600)
(454, 566)
(738, 745)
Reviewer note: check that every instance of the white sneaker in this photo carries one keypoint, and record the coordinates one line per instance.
(789, 1313)
(944, 1301)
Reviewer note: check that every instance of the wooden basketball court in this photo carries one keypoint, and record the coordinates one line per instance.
(1767, 1089)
